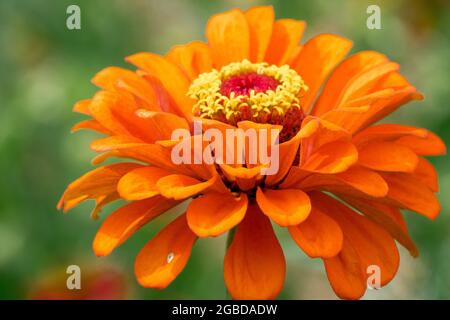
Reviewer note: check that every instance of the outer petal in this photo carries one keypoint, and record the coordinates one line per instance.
(387, 156)
(355, 180)
(287, 207)
(344, 72)
(431, 145)
(178, 186)
(408, 192)
(333, 157)
(365, 244)
(141, 183)
(193, 58)
(165, 256)
(99, 182)
(387, 132)
(319, 236)
(316, 60)
(390, 218)
(285, 38)
(229, 37)
(260, 21)
(346, 276)
(122, 223)
(427, 174)
(254, 265)
(173, 79)
(216, 213)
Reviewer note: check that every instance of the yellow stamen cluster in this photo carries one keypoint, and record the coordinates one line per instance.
(212, 104)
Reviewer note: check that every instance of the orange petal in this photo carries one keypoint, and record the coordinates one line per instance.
(165, 256)
(325, 132)
(390, 218)
(387, 132)
(344, 72)
(319, 236)
(408, 192)
(229, 37)
(123, 222)
(285, 37)
(193, 58)
(178, 186)
(90, 125)
(333, 157)
(115, 143)
(140, 183)
(361, 84)
(355, 180)
(215, 213)
(287, 207)
(371, 243)
(254, 266)
(431, 145)
(172, 78)
(427, 174)
(387, 156)
(345, 273)
(260, 21)
(113, 78)
(318, 57)
(82, 106)
(98, 182)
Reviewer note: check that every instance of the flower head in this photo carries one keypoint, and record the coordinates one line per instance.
(341, 183)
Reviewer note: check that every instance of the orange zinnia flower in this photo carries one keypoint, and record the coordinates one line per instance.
(342, 181)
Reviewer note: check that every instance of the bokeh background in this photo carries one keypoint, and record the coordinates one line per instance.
(45, 68)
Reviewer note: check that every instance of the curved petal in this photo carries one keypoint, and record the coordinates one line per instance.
(215, 213)
(123, 222)
(140, 183)
(318, 57)
(178, 186)
(387, 156)
(408, 192)
(287, 207)
(355, 180)
(373, 246)
(387, 132)
(254, 266)
(344, 72)
(82, 106)
(90, 125)
(431, 145)
(333, 157)
(193, 58)
(260, 21)
(99, 182)
(165, 256)
(229, 37)
(346, 276)
(390, 218)
(172, 78)
(427, 174)
(285, 37)
(319, 236)
(114, 78)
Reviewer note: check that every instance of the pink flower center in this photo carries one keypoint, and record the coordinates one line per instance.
(243, 84)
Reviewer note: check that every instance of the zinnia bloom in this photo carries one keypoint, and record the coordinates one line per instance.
(342, 181)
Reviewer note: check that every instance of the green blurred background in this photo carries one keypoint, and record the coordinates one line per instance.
(45, 68)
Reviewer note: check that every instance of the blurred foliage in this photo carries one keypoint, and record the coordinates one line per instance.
(45, 68)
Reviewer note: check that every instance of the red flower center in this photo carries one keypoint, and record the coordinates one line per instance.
(243, 84)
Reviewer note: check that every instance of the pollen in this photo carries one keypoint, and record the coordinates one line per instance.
(243, 90)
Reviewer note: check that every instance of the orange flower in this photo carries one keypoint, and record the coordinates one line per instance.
(342, 181)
